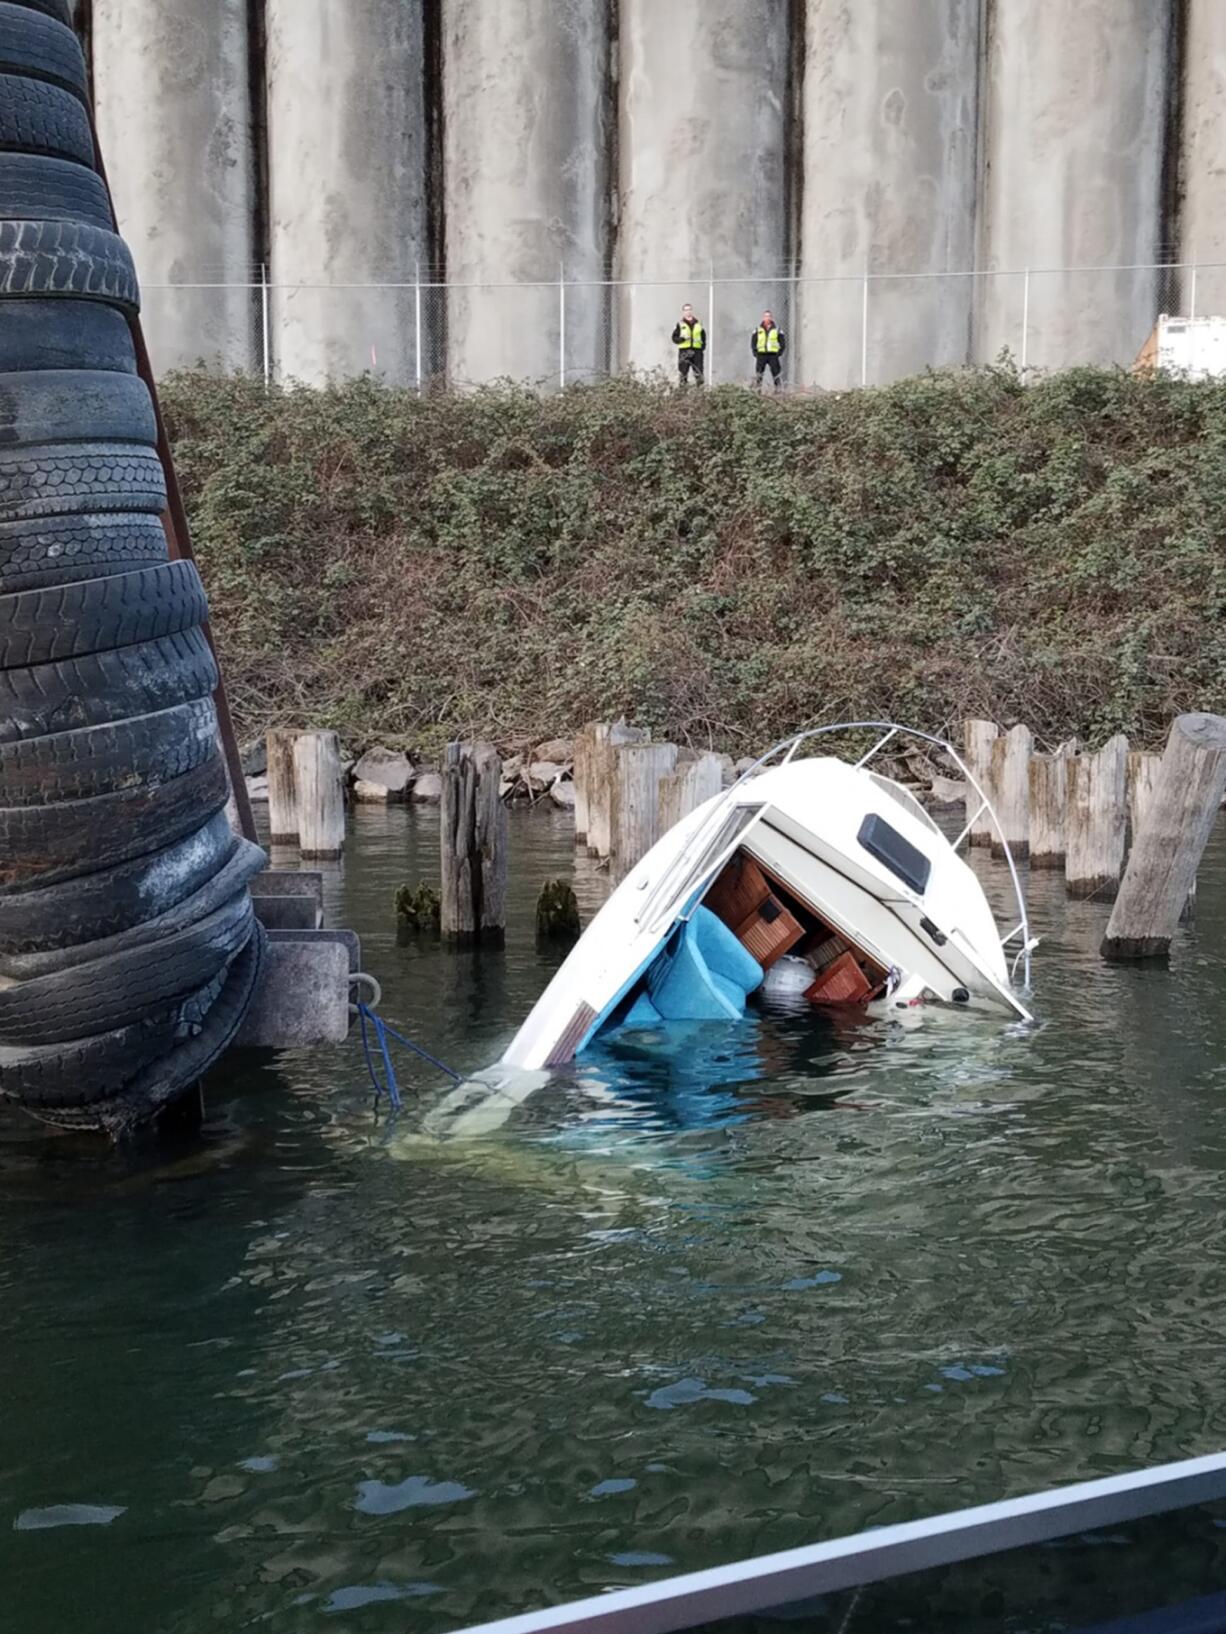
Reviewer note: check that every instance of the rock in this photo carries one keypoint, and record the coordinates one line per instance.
(388, 768)
(253, 757)
(542, 775)
(948, 791)
(563, 794)
(559, 749)
(427, 790)
(371, 793)
(257, 788)
(512, 766)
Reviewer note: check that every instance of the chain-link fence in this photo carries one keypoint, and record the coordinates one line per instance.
(839, 332)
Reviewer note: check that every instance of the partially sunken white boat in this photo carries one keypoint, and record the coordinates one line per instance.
(814, 875)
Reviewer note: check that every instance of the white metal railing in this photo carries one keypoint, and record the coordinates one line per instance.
(775, 1582)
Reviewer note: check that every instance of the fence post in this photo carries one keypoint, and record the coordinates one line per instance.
(864, 331)
(1025, 315)
(265, 325)
(711, 323)
(562, 326)
(417, 317)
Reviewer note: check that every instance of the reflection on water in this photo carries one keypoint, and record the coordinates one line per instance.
(799, 1277)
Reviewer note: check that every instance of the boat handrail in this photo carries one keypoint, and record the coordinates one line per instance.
(787, 747)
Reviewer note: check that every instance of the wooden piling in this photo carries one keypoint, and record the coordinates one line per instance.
(1170, 841)
(473, 845)
(282, 793)
(581, 776)
(1048, 800)
(688, 787)
(319, 793)
(636, 800)
(1010, 791)
(1095, 817)
(602, 782)
(977, 740)
(1142, 783)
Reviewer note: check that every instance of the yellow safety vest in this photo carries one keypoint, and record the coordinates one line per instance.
(768, 340)
(692, 337)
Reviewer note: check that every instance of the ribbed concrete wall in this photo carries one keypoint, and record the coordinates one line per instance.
(347, 184)
(1075, 101)
(526, 186)
(172, 94)
(1202, 169)
(890, 109)
(702, 186)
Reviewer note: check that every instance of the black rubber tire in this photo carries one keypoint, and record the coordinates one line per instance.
(113, 900)
(105, 686)
(236, 874)
(61, 10)
(69, 260)
(75, 405)
(56, 549)
(35, 188)
(62, 479)
(94, 998)
(64, 334)
(156, 1085)
(101, 759)
(86, 1069)
(66, 621)
(42, 48)
(39, 118)
(40, 845)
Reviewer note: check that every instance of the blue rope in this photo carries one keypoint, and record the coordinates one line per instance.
(388, 1085)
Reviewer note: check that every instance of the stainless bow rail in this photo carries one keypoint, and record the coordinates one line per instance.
(660, 902)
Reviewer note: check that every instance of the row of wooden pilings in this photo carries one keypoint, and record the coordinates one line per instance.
(1125, 825)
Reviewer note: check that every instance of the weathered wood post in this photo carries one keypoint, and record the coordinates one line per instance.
(636, 800)
(1142, 781)
(977, 740)
(282, 793)
(581, 775)
(602, 783)
(1010, 790)
(1095, 815)
(473, 845)
(319, 794)
(1171, 840)
(1048, 803)
(688, 787)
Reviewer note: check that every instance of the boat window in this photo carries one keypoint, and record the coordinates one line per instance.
(903, 859)
(905, 799)
(697, 868)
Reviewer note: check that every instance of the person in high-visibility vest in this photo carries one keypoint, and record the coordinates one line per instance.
(690, 339)
(768, 343)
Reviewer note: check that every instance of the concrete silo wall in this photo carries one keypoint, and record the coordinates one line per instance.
(347, 185)
(1075, 100)
(702, 152)
(1202, 158)
(172, 93)
(890, 110)
(526, 186)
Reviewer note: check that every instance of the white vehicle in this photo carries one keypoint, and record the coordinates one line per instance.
(814, 860)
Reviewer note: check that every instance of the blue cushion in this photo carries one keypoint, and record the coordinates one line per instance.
(706, 976)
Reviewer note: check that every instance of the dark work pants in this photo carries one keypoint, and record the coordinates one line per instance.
(767, 360)
(687, 361)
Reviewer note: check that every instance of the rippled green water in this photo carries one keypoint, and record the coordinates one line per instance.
(806, 1278)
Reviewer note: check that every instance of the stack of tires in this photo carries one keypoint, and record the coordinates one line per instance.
(128, 947)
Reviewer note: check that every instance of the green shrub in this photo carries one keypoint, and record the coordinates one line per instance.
(722, 568)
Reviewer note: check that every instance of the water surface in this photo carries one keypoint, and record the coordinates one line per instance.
(807, 1276)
